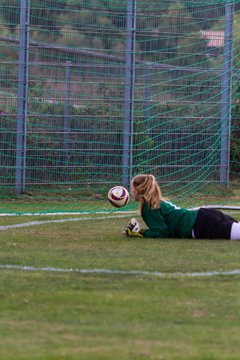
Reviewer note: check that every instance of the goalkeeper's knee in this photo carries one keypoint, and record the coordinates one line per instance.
(235, 231)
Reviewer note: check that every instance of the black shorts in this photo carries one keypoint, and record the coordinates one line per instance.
(212, 224)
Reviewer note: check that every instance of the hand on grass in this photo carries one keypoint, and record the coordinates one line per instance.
(133, 229)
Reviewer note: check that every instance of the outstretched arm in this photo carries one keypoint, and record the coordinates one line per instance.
(133, 229)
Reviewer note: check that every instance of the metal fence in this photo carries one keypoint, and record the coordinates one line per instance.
(94, 93)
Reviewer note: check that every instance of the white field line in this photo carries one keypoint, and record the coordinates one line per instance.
(41, 222)
(66, 213)
(122, 272)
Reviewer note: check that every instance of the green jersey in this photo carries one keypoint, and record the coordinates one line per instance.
(168, 220)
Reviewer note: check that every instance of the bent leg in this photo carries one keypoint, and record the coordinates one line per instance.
(235, 231)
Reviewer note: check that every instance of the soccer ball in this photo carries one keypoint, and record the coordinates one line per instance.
(118, 196)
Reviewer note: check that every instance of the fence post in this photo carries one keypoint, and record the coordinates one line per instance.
(226, 100)
(22, 96)
(66, 126)
(129, 92)
(148, 93)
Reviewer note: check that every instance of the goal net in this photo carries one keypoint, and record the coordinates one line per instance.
(94, 92)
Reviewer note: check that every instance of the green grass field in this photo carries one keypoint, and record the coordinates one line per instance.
(51, 312)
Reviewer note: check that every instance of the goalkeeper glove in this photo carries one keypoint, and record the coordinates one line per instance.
(133, 229)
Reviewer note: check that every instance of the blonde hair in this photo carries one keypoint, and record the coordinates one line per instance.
(148, 191)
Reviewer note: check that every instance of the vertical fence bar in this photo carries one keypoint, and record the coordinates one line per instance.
(22, 96)
(66, 126)
(148, 93)
(129, 92)
(226, 84)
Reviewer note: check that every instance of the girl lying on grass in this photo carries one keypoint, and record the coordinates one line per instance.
(165, 219)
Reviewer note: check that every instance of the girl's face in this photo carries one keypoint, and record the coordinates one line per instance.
(134, 191)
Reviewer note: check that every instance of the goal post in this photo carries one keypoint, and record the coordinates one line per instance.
(226, 98)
